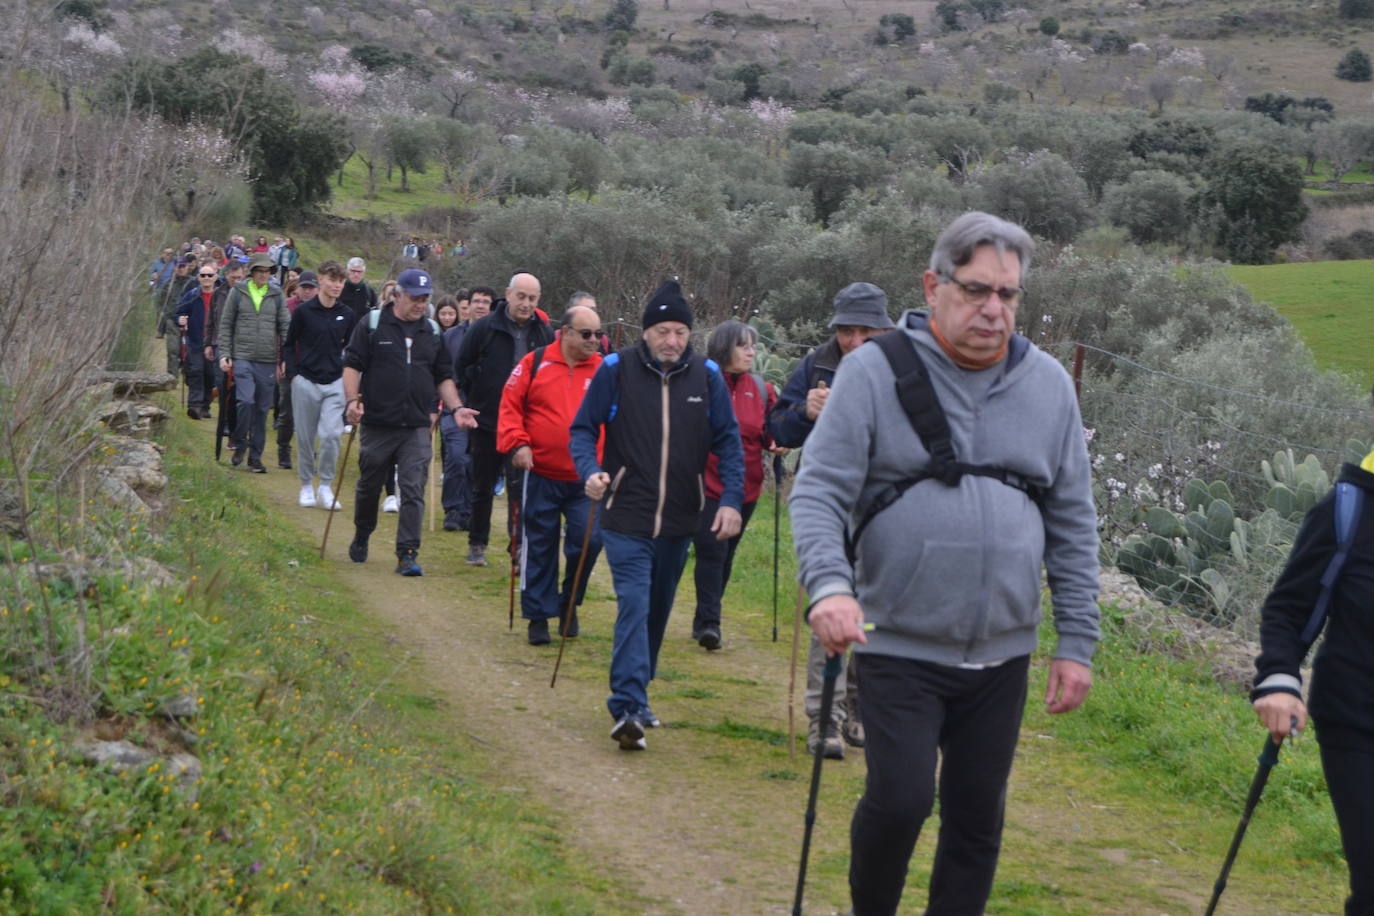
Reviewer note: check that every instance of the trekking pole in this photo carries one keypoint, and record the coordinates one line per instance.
(1267, 759)
(334, 504)
(797, 614)
(433, 472)
(181, 365)
(832, 671)
(572, 596)
(514, 551)
(777, 521)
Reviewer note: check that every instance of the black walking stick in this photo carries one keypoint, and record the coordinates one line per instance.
(576, 587)
(227, 403)
(1267, 759)
(343, 466)
(777, 521)
(832, 671)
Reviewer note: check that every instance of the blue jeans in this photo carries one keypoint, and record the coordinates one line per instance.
(547, 503)
(644, 572)
(457, 495)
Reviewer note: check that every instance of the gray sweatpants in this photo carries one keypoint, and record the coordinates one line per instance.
(846, 685)
(318, 410)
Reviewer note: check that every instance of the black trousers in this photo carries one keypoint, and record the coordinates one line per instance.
(487, 466)
(407, 450)
(1348, 762)
(715, 560)
(911, 712)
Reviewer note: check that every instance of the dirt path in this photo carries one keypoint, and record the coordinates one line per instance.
(709, 819)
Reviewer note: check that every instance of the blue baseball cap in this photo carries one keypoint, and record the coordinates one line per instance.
(415, 282)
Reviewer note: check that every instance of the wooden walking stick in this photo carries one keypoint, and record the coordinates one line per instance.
(797, 614)
(572, 596)
(334, 504)
(433, 473)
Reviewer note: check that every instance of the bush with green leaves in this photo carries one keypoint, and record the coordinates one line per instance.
(1049, 26)
(1042, 193)
(1254, 194)
(1152, 205)
(830, 172)
(1354, 67)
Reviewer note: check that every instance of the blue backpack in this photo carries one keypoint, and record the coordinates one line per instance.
(1349, 505)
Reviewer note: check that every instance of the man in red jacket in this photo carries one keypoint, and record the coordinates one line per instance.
(538, 404)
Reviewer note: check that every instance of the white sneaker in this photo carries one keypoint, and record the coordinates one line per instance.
(307, 500)
(391, 504)
(327, 498)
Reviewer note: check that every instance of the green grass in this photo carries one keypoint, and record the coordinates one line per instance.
(1329, 304)
(390, 203)
(332, 784)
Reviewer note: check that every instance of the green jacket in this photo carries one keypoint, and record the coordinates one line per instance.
(249, 333)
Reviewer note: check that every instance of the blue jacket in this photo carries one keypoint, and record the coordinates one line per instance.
(191, 306)
(657, 491)
(787, 421)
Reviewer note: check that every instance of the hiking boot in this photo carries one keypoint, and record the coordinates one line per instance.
(237, 457)
(328, 501)
(539, 633)
(477, 554)
(391, 504)
(194, 413)
(284, 457)
(307, 497)
(629, 732)
(406, 565)
(357, 550)
(709, 638)
(255, 466)
(451, 522)
(572, 629)
(853, 732)
(833, 744)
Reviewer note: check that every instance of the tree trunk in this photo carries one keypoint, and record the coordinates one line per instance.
(405, 180)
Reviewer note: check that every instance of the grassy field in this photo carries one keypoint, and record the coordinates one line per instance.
(1328, 302)
(390, 203)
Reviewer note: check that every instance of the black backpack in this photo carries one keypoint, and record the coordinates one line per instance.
(916, 393)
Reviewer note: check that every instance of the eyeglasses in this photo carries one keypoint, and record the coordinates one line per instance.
(980, 293)
(208, 276)
(589, 333)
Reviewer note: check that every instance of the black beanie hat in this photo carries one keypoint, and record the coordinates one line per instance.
(667, 304)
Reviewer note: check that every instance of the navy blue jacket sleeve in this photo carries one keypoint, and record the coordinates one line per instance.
(787, 421)
(598, 408)
(725, 440)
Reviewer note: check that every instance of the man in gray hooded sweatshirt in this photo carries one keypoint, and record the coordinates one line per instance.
(948, 575)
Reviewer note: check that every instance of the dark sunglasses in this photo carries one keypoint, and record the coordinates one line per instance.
(588, 333)
(208, 276)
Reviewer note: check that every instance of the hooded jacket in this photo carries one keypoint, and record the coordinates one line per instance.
(253, 333)
(487, 356)
(952, 574)
(1343, 670)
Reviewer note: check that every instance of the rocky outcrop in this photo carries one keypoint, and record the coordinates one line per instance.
(137, 384)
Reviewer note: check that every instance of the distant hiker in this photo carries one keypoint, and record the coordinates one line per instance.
(166, 299)
(357, 294)
(1343, 670)
(231, 276)
(664, 409)
(395, 373)
(457, 493)
(192, 318)
(541, 399)
(160, 273)
(283, 415)
(320, 329)
(948, 571)
(252, 325)
(732, 346)
(860, 313)
(491, 348)
(286, 258)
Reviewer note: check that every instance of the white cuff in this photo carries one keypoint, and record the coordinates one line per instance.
(1280, 682)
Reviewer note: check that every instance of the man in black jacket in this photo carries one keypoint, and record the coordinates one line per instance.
(1342, 693)
(490, 350)
(394, 376)
(357, 294)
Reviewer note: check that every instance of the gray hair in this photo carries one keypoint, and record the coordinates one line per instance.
(579, 297)
(956, 245)
(720, 346)
(357, 262)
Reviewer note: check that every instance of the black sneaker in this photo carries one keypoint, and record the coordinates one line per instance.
(406, 565)
(255, 466)
(538, 634)
(629, 732)
(709, 638)
(237, 457)
(357, 550)
(451, 521)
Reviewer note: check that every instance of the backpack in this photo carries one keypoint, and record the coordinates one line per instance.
(375, 315)
(1349, 506)
(916, 393)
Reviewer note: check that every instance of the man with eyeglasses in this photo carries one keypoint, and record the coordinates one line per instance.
(252, 325)
(537, 408)
(664, 410)
(395, 374)
(490, 350)
(357, 293)
(945, 569)
(192, 317)
(860, 314)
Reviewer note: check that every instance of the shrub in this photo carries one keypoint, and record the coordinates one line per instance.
(1358, 245)
(1254, 193)
(1354, 67)
(1356, 9)
(1000, 93)
(1049, 26)
(1044, 194)
(1153, 205)
(621, 16)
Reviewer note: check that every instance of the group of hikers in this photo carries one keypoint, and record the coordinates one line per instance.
(943, 466)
